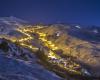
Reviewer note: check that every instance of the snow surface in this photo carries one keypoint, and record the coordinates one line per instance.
(11, 69)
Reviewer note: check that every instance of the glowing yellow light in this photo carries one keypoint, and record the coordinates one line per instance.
(43, 39)
(51, 54)
(49, 42)
(30, 47)
(52, 45)
(22, 44)
(55, 48)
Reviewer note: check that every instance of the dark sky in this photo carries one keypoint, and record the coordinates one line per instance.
(86, 12)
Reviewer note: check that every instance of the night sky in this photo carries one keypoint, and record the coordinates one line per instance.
(85, 12)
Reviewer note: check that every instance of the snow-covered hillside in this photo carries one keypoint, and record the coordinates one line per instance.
(8, 24)
(17, 63)
(21, 63)
(12, 69)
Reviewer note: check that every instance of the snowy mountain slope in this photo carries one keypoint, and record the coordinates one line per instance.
(8, 24)
(12, 50)
(91, 34)
(12, 21)
(83, 43)
(11, 69)
(20, 64)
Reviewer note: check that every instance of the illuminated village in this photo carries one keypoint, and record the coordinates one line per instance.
(52, 57)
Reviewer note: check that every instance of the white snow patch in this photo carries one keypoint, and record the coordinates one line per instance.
(77, 26)
(95, 31)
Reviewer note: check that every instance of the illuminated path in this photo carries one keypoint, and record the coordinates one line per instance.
(51, 55)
